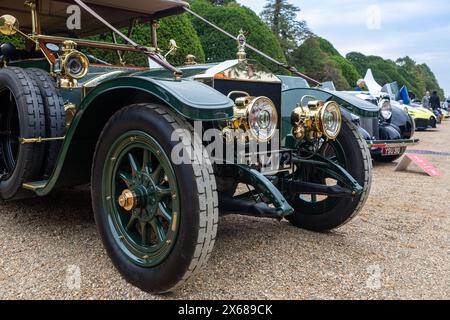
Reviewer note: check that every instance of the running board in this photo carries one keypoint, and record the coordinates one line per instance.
(34, 186)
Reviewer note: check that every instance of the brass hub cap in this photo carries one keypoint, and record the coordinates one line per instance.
(128, 200)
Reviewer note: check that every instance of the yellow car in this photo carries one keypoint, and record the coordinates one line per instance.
(423, 117)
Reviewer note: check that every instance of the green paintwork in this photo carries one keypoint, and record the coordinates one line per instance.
(148, 233)
(39, 63)
(192, 99)
(246, 174)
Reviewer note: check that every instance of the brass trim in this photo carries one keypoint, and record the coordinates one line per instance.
(33, 186)
(39, 140)
(34, 15)
(90, 43)
(127, 200)
(92, 82)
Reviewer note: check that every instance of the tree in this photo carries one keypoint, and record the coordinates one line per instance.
(405, 71)
(281, 17)
(232, 18)
(179, 28)
(317, 58)
(221, 2)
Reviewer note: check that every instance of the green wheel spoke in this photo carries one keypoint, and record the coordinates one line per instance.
(133, 164)
(144, 233)
(159, 230)
(126, 178)
(146, 161)
(164, 212)
(164, 192)
(131, 222)
(156, 175)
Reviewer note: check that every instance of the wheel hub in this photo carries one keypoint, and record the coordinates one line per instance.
(144, 194)
(128, 200)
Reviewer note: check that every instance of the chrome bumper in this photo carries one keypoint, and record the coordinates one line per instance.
(383, 144)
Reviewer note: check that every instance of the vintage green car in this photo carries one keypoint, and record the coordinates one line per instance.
(164, 148)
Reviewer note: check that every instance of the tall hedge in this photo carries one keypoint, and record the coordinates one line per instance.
(179, 28)
(233, 17)
(318, 59)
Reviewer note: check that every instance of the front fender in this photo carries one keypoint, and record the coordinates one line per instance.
(404, 122)
(192, 99)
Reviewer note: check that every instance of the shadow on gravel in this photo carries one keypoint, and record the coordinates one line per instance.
(72, 205)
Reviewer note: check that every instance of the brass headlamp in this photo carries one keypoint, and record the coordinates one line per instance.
(256, 116)
(72, 66)
(317, 120)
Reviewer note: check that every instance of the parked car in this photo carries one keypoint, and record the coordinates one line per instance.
(388, 130)
(423, 117)
(133, 133)
(401, 99)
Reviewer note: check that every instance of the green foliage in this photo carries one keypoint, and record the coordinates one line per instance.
(281, 17)
(16, 40)
(178, 28)
(417, 77)
(349, 72)
(221, 2)
(232, 18)
(317, 58)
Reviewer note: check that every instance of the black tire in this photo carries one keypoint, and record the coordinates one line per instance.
(55, 117)
(22, 116)
(198, 198)
(324, 215)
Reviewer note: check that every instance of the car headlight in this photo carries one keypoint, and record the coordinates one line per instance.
(331, 120)
(316, 120)
(262, 117)
(386, 110)
(75, 65)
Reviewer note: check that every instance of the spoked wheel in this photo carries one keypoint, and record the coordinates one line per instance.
(322, 213)
(145, 200)
(157, 220)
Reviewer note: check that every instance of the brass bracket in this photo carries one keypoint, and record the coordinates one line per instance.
(34, 16)
(39, 140)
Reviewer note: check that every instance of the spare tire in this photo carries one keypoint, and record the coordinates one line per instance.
(55, 117)
(21, 116)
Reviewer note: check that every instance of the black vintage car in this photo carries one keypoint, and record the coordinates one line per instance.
(388, 130)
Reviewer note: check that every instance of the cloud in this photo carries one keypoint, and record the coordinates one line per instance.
(419, 28)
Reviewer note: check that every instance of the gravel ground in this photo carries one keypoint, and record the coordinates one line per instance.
(398, 248)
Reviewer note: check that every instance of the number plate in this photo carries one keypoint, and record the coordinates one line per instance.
(271, 164)
(392, 151)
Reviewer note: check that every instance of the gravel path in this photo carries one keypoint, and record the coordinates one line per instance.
(399, 247)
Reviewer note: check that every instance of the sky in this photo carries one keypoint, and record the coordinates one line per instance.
(387, 28)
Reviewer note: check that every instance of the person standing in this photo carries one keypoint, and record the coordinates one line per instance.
(435, 102)
(360, 85)
(426, 100)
